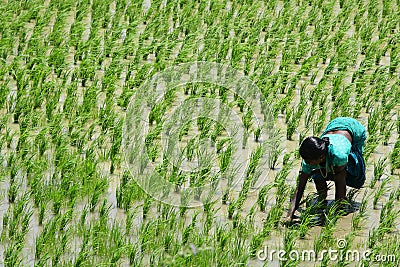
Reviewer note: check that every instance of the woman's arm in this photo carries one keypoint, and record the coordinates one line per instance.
(298, 194)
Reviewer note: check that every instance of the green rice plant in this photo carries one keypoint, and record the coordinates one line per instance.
(104, 212)
(247, 119)
(257, 134)
(294, 121)
(309, 118)
(9, 136)
(389, 215)
(185, 198)
(44, 239)
(17, 219)
(289, 240)
(231, 209)
(191, 147)
(133, 255)
(57, 202)
(189, 230)
(286, 158)
(368, 107)
(373, 121)
(254, 161)
(255, 243)
(285, 101)
(129, 219)
(117, 244)
(379, 168)
(12, 255)
(243, 194)
(357, 218)
(334, 212)
(146, 206)
(268, 224)
(276, 211)
(225, 158)
(374, 235)
(308, 219)
(84, 253)
(344, 261)
(395, 157)
(381, 191)
(208, 222)
(371, 144)
(275, 148)
(262, 197)
(236, 221)
(98, 189)
(280, 178)
(319, 122)
(63, 241)
(387, 133)
(13, 190)
(82, 219)
(222, 236)
(245, 138)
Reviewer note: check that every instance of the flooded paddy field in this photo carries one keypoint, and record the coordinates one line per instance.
(166, 133)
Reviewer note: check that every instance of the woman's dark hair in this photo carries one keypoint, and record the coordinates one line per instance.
(313, 147)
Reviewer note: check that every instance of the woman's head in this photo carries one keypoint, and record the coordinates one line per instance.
(314, 150)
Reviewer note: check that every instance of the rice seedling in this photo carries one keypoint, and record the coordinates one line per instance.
(380, 191)
(361, 215)
(318, 124)
(379, 168)
(12, 255)
(289, 237)
(371, 144)
(275, 148)
(308, 219)
(294, 120)
(333, 214)
(388, 215)
(262, 197)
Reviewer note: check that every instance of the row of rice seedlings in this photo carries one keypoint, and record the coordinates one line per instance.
(379, 168)
(282, 191)
(357, 219)
(57, 197)
(383, 188)
(16, 224)
(326, 239)
(275, 148)
(386, 227)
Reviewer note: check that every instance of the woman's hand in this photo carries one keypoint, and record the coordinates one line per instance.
(298, 194)
(289, 215)
(288, 220)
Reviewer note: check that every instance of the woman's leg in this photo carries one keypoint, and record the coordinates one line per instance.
(322, 189)
(321, 186)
